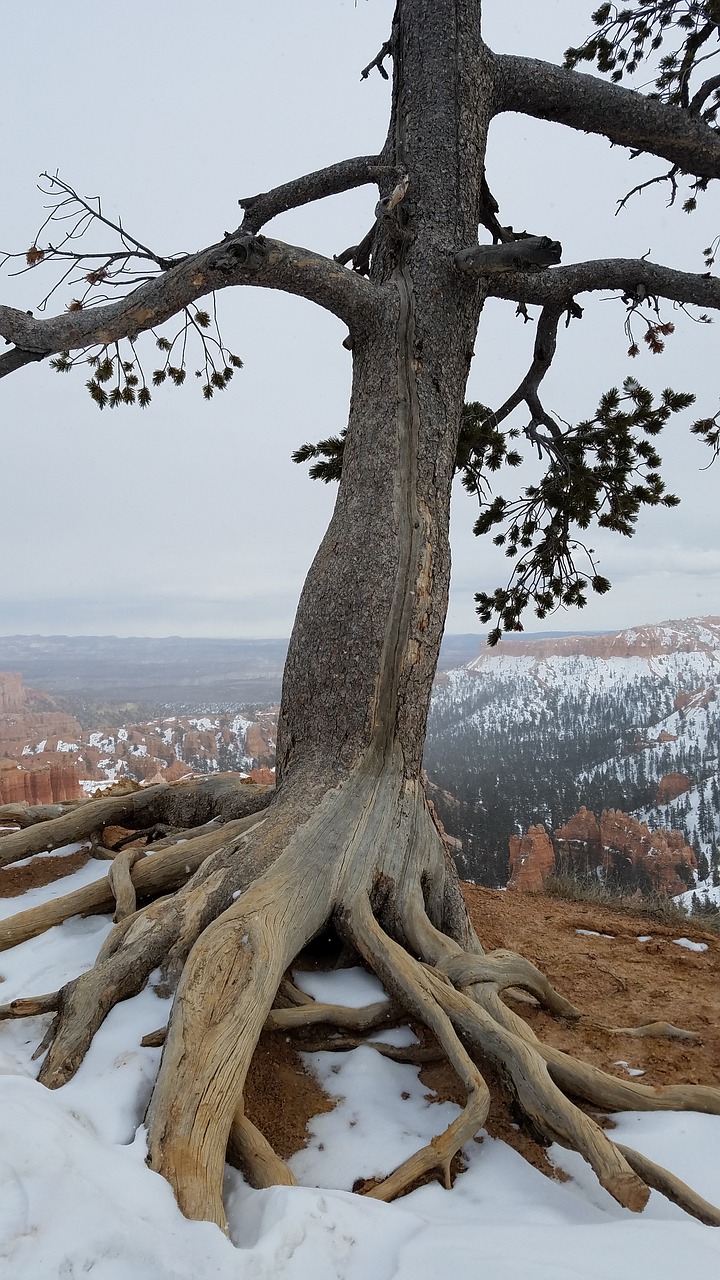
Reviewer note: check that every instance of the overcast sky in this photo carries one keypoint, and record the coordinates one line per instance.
(189, 518)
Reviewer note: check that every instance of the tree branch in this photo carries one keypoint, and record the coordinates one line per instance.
(491, 259)
(634, 276)
(238, 260)
(697, 102)
(331, 181)
(17, 357)
(587, 103)
(527, 391)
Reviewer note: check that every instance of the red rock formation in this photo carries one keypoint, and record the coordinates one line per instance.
(42, 784)
(258, 742)
(684, 635)
(692, 699)
(532, 859)
(670, 786)
(263, 775)
(625, 849)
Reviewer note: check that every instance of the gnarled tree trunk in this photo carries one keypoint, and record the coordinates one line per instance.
(348, 840)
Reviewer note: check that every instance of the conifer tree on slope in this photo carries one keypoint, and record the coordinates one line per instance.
(348, 841)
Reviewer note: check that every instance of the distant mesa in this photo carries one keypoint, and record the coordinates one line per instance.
(683, 635)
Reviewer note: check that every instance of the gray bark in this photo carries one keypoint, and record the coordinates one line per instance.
(367, 633)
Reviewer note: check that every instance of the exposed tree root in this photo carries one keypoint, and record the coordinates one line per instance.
(657, 1031)
(121, 884)
(20, 815)
(164, 872)
(251, 1152)
(178, 805)
(668, 1185)
(366, 861)
(30, 1006)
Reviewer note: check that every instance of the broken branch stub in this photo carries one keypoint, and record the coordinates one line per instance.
(518, 255)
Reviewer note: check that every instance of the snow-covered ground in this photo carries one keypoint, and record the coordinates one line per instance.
(76, 1198)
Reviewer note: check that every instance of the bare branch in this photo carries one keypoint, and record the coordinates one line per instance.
(17, 357)
(670, 176)
(378, 60)
(493, 259)
(331, 181)
(591, 105)
(699, 99)
(634, 276)
(239, 260)
(527, 391)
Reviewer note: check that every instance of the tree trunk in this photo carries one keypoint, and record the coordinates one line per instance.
(367, 634)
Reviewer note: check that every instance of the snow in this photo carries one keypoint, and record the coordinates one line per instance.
(593, 933)
(77, 1198)
(689, 945)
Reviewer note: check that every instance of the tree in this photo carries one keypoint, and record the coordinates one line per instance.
(348, 842)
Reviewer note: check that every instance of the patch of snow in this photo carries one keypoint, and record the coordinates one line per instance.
(689, 945)
(593, 933)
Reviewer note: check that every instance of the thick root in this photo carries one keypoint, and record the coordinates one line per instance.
(137, 946)
(177, 805)
(251, 1152)
(398, 970)
(21, 815)
(232, 932)
(120, 882)
(167, 870)
(668, 1185)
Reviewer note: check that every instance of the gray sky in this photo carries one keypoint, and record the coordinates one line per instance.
(189, 518)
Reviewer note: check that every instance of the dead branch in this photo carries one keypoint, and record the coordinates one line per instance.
(562, 284)
(330, 181)
(515, 255)
(378, 60)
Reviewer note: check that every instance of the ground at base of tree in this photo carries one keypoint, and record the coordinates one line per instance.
(77, 1195)
(616, 980)
(620, 969)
